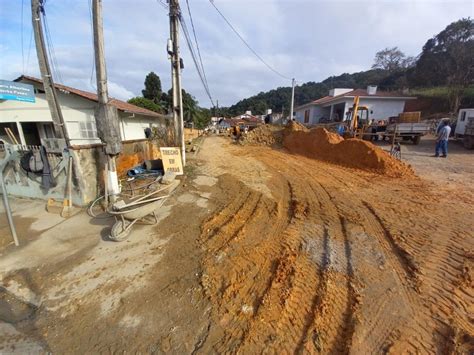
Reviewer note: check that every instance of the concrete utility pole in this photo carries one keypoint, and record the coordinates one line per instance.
(48, 84)
(292, 98)
(106, 115)
(176, 77)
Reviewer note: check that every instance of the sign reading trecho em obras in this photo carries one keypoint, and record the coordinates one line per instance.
(172, 160)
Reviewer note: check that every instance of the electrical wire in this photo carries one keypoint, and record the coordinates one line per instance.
(197, 63)
(246, 43)
(29, 51)
(22, 50)
(194, 57)
(91, 81)
(197, 44)
(50, 47)
(163, 5)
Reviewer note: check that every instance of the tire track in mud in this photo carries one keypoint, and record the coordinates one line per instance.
(391, 327)
(278, 322)
(405, 260)
(323, 268)
(419, 335)
(442, 270)
(388, 329)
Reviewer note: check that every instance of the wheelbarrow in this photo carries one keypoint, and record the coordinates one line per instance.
(142, 208)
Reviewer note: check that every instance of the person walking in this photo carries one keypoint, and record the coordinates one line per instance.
(442, 139)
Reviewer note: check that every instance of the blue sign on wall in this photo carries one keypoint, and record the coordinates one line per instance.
(10, 90)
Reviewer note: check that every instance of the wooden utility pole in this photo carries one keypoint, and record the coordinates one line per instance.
(106, 115)
(45, 69)
(176, 77)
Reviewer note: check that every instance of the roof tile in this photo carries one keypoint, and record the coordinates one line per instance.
(120, 105)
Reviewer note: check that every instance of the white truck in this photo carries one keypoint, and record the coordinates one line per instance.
(465, 127)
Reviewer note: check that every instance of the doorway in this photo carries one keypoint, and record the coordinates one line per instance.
(31, 134)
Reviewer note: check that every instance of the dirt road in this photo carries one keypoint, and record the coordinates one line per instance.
(336, 260)
(265, 251)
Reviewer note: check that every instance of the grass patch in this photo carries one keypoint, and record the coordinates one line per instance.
(440, 92)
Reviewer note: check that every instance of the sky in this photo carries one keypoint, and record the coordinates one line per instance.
(309, 40)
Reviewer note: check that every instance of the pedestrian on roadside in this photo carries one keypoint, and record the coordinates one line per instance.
(442, 139)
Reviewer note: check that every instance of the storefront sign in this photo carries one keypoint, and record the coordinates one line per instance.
(10, 90)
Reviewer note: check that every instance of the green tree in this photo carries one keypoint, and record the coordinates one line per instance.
(152, 89)
(145, 103)
(391, 60)
(202, 118)
(448, 59)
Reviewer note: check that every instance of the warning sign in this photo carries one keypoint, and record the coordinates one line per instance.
(172, 160)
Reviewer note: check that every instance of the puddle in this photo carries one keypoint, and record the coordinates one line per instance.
(13, 309)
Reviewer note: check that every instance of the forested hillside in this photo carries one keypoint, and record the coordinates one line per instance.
(445, 62)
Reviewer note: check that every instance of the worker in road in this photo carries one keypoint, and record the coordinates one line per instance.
(442, 139)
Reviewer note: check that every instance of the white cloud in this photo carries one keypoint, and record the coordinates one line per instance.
(119, 92)
(307, 39)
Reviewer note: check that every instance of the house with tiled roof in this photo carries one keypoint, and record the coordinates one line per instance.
(335, 106)
(31, 121)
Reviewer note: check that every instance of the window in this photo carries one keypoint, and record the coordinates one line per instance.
(88, 129)
(48, 130)
(306, 116)
(463, 116)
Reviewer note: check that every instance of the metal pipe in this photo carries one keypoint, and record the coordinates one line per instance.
(6, 204)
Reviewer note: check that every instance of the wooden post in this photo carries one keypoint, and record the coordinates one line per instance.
(106, 115)
(394, 136)
(176, 78)
(48, 84)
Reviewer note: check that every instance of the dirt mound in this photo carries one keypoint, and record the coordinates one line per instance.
(294, 126)
(264, 135)
(354, 153)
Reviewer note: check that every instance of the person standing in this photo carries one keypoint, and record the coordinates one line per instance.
(442, 139)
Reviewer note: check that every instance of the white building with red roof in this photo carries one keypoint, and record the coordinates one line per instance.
(31, 121)
(334, 107)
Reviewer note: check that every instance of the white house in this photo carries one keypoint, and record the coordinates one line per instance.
(30, 122)
(335, 106)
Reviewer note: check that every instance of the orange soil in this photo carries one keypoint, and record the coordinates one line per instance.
(355, 153)
(330, 264)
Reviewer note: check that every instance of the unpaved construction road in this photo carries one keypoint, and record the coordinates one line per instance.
(334, 260)
(289, 255)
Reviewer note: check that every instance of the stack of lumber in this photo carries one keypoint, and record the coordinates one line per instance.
(409, 117)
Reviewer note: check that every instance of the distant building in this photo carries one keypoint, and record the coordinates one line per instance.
(335, 106)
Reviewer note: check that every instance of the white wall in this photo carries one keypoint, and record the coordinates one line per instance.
(382, 108)
(74, 108)
(133, 126)
(316, 112)
(461, 124)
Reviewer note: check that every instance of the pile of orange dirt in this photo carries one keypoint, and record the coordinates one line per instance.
(264, 135)
(294, 126)
(321, 144)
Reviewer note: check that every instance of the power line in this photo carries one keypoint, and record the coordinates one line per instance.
(50, 47)
(163, 4)
(93, 54)
(196, 41)
(29, 51)
(246, 44)
(194, 57)
(22, 51)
